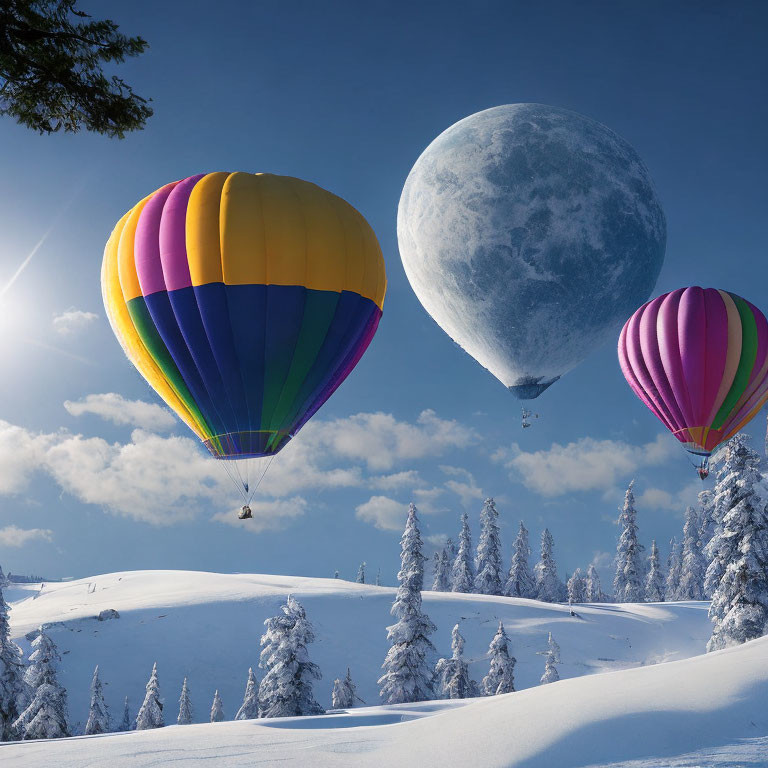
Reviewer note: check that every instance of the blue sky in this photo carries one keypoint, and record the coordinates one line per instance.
(347, 95)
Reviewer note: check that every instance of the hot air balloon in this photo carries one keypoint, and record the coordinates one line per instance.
(698, 358)
(530, 233)
(244, 300)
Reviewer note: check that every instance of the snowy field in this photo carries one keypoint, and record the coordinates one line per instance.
(703, 711)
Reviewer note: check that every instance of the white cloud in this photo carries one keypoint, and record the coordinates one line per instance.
(270, 515)
(437, 539)
(168, 479)
(405, 479)
(657, 498)
(73, 321)
(118, 410)
(12, 536)
(585, 465)
(602, 559)
(382, 441)
(465, 487)
(384, 513)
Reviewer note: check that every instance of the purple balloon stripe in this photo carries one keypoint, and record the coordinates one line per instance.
(649, 346)
(692, 344)
(146, 249)
(173, 235)
(671, 355)
(632, 380)
(635, 356)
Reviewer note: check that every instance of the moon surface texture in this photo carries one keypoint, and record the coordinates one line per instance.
(530, 234)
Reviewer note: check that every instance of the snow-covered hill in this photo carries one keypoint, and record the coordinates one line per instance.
(207, 627)
(701, 712)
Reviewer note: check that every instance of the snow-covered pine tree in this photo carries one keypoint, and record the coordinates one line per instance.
(286, 688)
(249, 710)
(520, 581)
(707, 517)
(125, 723)
(593, 592)
(450, 549)
(360, 579)
(462, 575)
(654, 581)
(501, 675)
(628, 582)
(3, 579)
(344, 694)
(46, 715)
(724, 496)
(151, 711)
(335, 574)
(551, 675)
(693, 569)
(739, 609)
(98, 714)
(407, 670)
(442, 580)
(674, 566)
(489, 579)
(217, 708)
(185, 706)
(577, 588)
(12, 687)
(452, 674)
(548, 586)
(378, 577)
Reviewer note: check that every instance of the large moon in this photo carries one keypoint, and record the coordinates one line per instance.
(530, 234)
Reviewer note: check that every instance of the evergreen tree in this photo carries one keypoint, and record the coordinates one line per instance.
(98, 714)
(739, 609)
(125, 723)
(442, 580)
(548, 586)
(344, 695)
(3, 579)
(520, 581)
(450, 549)
(674, 566)
(724, 496)
(185, 706)
(707, 517)
(249, 710)
(691, 585)
(360, 579)
(52, 62)
(654, 581)
(378, 577)
(217, 708)
(593, 592)
(286, 689)
(551, 675)
(501, 675)
(452, 674)
(488, 567)
(628, 582)
(335, 574)
(151, 711)
(46, 715)
(12, 686)
(462, 576)
(577, 588)
(407, 671)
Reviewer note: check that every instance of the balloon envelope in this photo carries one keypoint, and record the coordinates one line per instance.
(698, 358)
(530, 233)
(244, 300)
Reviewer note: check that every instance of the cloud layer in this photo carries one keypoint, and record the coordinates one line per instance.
(118, 410)
(13, 536)
(73, 321)
(584, 465)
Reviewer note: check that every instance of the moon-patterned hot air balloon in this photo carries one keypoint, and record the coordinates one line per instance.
(698, 358)
(244, 300)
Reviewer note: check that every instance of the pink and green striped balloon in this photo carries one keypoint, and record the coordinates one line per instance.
(698, 358)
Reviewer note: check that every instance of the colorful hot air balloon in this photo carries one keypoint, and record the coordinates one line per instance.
(244, 300)
(698, 358)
